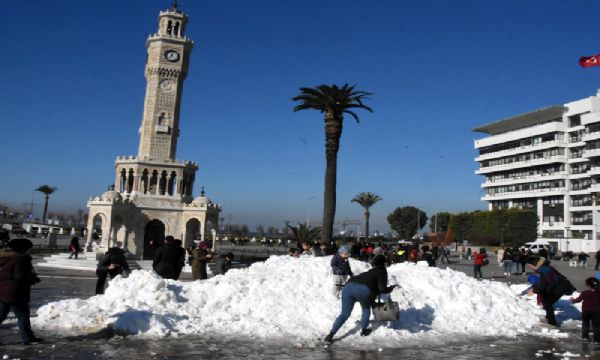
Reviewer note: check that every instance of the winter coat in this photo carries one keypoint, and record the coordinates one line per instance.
(16, 277)
(340, 266)
(479, 258)
(114, 256)
(199, 261)
(427, 256)
(75, 245)
(169, 261)
(591, 300)
(222, 265)
(375, 279)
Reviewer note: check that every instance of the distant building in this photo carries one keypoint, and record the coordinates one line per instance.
(547, 160)
(152, 197)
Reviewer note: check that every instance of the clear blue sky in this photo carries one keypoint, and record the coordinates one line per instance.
(73, 84)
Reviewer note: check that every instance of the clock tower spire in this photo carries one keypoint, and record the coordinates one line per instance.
(166, 68)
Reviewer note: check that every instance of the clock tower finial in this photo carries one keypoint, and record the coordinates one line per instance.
(174, 5)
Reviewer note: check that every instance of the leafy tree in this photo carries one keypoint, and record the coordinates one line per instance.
(305, 233)
(272, 230)
(366, 200)
(407, 220)
(333, 102)
(443, 219)
(260, 231)
(47, 191)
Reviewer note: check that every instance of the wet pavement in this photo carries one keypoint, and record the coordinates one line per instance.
(62, 284)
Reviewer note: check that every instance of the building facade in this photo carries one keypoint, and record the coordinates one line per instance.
(152, 193)
(547, 160)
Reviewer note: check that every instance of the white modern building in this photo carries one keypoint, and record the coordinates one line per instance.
(547, 160)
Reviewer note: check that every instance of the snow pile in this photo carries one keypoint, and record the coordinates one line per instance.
(291, 299)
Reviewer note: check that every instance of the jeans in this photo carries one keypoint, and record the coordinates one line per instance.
(477, 270)
(354, 292)
(507, 266)
(548, 304)
(594, 318)
(22, 313)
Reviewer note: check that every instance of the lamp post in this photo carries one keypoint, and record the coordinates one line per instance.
(567, 228)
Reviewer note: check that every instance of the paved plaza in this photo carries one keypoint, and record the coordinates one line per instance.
(62, 284)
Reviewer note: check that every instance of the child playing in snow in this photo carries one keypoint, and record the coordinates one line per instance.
(590, 309)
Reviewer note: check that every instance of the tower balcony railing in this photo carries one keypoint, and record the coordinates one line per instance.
(520, 192)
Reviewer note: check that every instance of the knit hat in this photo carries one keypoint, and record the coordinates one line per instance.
(20, 244)
(343, 250)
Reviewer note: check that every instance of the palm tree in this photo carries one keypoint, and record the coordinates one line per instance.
(46, 190)
(305, 233)
(334, 102)
(366, 200)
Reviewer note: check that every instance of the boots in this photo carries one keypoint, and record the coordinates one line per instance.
(365, 332)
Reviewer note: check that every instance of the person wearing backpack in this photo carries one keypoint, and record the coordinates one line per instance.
(551, 286)
(590, 309)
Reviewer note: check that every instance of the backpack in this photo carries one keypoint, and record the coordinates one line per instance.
(562, 285)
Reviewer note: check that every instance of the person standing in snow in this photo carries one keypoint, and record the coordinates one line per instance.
(223, 264)
(179, 244)
(16, 278)
(200, 258)
(428, 256)
(340, 266)
(167, 260)
(590, 309)
(551, 286)
(113, 263)
(479, 259)
(364, 289)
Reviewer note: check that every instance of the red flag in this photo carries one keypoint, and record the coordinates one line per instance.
(589, 61)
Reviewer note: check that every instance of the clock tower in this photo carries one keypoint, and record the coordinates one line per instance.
(168, 54)
(152, 195)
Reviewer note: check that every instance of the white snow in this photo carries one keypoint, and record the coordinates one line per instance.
(287, 298)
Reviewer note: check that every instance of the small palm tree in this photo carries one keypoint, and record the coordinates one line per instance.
(47, 191)
(366, 200)
(334, 102)
(305, 233)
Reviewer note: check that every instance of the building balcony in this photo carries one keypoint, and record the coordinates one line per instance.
(593, 171)
(553, 225)
(535, 193)
(590, 118)
(590, 153)
(522, 150)
(576, 128)
(574, 208)
(526, 179)
(591, 136)
(522, 164)
(578, 159)
(576, 144)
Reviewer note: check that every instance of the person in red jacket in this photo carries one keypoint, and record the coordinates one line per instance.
(478, 262)
(590, 309)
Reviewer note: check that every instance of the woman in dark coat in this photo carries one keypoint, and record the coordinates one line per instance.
(16, 277)
(169, 259)
(364, 289)
(74, 247)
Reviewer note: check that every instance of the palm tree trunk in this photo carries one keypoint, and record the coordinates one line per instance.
(367, 224)
(333, 132)
(45, 209)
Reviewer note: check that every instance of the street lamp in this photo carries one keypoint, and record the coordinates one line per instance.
(567, 228)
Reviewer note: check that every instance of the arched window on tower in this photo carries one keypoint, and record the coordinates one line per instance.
(163, 183)
(130, 181)
(172, 183)
(170, 28)
(176, 32)
(153, 182)
(144, 183)
(123, 180)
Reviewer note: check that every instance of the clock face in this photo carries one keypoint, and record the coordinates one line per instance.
(171, 55)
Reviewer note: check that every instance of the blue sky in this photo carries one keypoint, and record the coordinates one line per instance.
(73, 85)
